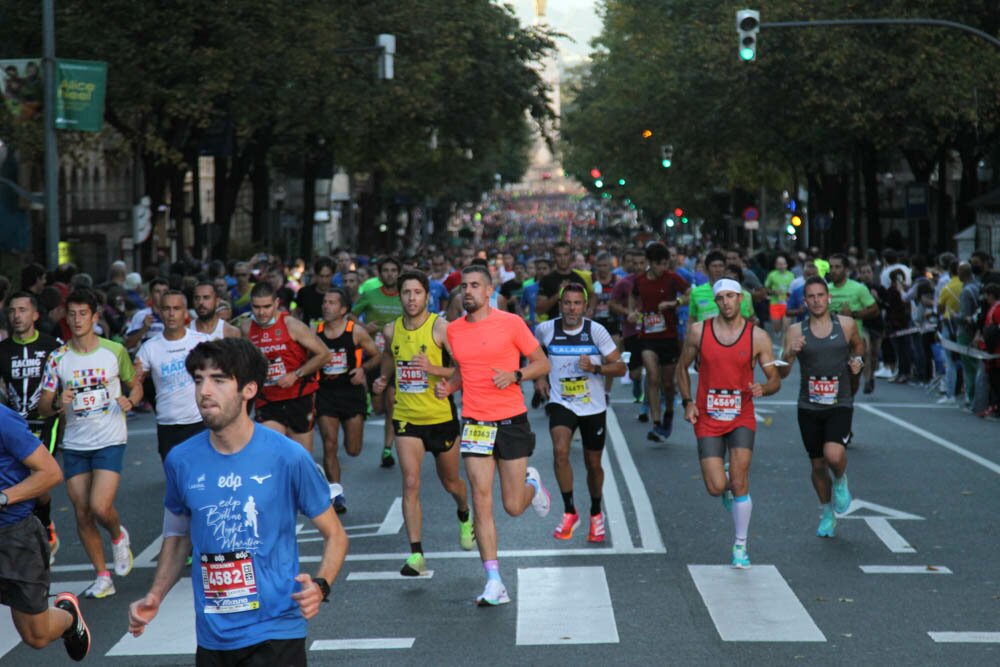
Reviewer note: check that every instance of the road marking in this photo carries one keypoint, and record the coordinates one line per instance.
(564, 605)
(961, 451)
(8, 633)
(890, 536)
(149, 554)
(393, 520)
(362, 644)
(508, 553)
(754, 605)
(921, 406)
(170, 633)
(618, 528)
(965, 637)
(904, 569)
(649, 532)
(385, 576)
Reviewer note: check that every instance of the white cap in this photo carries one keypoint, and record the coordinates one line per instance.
(726, 285)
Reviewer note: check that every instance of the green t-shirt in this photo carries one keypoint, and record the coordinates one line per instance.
(377, 306)
(369, 285)
(778, 282)
(852, 294)
(703, 306)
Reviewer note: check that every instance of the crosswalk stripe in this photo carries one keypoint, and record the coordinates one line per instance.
(362, 644)
(8, 633)
(755, 605)
(965, 637)
(564, 605)
(170, 633)
(391, 575)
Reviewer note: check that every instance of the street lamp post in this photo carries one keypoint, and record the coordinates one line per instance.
(51, 154)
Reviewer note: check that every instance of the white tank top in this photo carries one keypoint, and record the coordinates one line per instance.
(217, 334)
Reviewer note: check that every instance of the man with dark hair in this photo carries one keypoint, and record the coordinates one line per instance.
(294, 355)
(33, 278)
(344, 263)
(147, 322)
(553, 282)
(90, 376)
(309, 300)
(233, 495)
(633, 262)
(206, 309)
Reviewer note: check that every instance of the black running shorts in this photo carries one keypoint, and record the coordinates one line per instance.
(514, 439)
(341, 402)
(24, 566)
(592, 427)
(715, 446)
(666, 349)
(819, 427)
(437, 438)
(295, 414)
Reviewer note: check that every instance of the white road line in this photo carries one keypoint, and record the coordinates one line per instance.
(889, 536)
(148, 554)
(618, 528)
(961, 451)
(362, 644)
(564, 605)
(904, 569)
(8, 633)
(965, 637)
(393, 519)
(754, 605)
(385, 576)
(649, 532)
(921, 406)
(504, 553)
(170, 633)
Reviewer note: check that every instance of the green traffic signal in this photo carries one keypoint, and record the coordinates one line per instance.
(666, 163)
(621, 181)
(747, 54)
(598, 183)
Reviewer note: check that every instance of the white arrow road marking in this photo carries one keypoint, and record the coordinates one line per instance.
(880, 524)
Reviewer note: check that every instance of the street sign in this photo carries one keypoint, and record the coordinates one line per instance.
(751, 225)
(751, 213)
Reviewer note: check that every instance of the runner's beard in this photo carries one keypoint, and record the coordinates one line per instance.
(471, 306)
(207, 316)
(226, 415)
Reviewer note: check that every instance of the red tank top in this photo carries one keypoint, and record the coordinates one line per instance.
(725, 373)
(284, 356)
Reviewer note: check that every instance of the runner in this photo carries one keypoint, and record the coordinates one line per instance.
(162, 358)
(827, 346)
(232, 501)
(496, 435)
(22, 361)
(341, 400)
(27, 470)
(702, 300)
(147, 322)
(727, 347)
(91, 376)
(550, 284)
(415, 356)
(294, 354)
(851, 298)
(604, 286)
(777, 283)
(206, 307)
(377, 307)
(309, 300)
(653, 302)
(582, 354)
(633, 262)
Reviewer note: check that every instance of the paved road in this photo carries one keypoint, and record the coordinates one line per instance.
(917, 556)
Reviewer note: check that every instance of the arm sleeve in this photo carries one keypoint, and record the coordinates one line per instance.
(173, 499)
(523, 340)
(605, 343)
(176, 525)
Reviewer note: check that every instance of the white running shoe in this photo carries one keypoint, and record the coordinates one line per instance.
(123, 554)
(541, 501)
(494, 594)
(336, 490)
(102, 587)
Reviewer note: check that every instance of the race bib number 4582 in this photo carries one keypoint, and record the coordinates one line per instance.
(229, 582)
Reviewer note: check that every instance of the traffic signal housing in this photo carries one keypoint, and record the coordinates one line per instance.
(666, 156)
(748, 25)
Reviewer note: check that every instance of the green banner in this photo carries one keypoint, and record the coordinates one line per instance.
(80, 88)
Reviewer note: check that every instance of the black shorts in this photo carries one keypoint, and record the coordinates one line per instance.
(633, 346)
(341, 401)
(715, 446)
(24, 566)
(613, 326)
(514, 440)
(295, 414)
(270, 653)
(592, 427)
(819, 427)
(169, 436)
(667, 350)
(437, 438)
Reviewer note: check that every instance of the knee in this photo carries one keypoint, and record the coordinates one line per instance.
(482, 500)
(352, 449)
(512, 509)
(411, 484)
(740, 487)
(561, 456)
(714, 489)
(103, 513)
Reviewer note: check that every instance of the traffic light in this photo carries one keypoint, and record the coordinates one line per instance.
(646, 134)
(666, 156)
(595, 173)
(598, 183)
(796, 221)
(748, 25)
(621, 181)
(678, 212)
(790, 229)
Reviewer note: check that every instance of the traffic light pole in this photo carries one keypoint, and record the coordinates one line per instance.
(51, 188)
(836, 23)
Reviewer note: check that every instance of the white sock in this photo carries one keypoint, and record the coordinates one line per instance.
(742, 508)
(336, 490)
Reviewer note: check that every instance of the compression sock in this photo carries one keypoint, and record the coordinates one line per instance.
(104, 573)
(637, 389)
(595, 505)
(463, 515)
(416, 548)
(568, 502)
(121, 536)
(492, 570)
(742, 508)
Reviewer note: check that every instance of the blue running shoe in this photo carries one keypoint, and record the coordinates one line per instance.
(727, 500)
(741, 559)
(827, 523)
(841, 495)
(662, 431)
(339, 504)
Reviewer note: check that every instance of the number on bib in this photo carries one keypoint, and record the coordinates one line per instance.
(823, 390)
(91, 401)
(337, 364)
(229, 582)
(478, 438)
(724, 405)
(575, 389)
(653, 323)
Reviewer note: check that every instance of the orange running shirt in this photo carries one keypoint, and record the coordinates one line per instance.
(498, 341)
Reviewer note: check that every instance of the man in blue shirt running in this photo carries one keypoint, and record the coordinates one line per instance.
(232, 500)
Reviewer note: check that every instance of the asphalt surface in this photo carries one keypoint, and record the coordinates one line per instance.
(928, 476)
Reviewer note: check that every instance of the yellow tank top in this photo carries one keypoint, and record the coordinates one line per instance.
(415, 400)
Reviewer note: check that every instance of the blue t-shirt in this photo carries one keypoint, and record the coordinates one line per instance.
(438, 296)
(16, 444)
(528, 301)
(243, 510)
(796, 299)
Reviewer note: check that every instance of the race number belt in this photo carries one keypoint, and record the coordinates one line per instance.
(275, 371)
(410, 379)
(337, 364)
(229, 582)
(575, 389)
(653, 323)
(823, 390)
(90, 401)
(724, 405)
(478, 438)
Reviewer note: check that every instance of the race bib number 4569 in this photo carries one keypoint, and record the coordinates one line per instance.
(724, 405)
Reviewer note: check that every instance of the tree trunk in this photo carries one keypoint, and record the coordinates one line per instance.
(871, 236)
(178, 213)
(261, 212)
(200, 231)
(310, 170)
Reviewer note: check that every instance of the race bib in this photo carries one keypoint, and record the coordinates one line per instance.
(229, 582)
(275, 371)
(410, 379)
(574, 390)
(478, 438)
(724, 405)
(602, 312)
(653, 323)
(823, 390)
(91, 401)
(380, 341)
(337, 364)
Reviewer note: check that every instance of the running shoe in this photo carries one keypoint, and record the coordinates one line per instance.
(494, 594)
(569, 523)
(597, 530)
(466, 534)
(541, 501)
(841, 495)
(947, 400)
(667, 427)
(123, 554)
(741, 559)
(869, 385)
(827, 523)
(102, 587)
(387, 460)
(53, 542)
(77, 636)
(643, 417)
(727, 500)
(339, 504)
(415, 566)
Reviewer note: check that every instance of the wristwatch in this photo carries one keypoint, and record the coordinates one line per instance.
(684, 402)
(323, 586)
(3, 501)
(519, 375)
(298, 373)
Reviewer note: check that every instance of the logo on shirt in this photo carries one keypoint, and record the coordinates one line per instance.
(259, 478)
(199, 484)
(230, 481)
